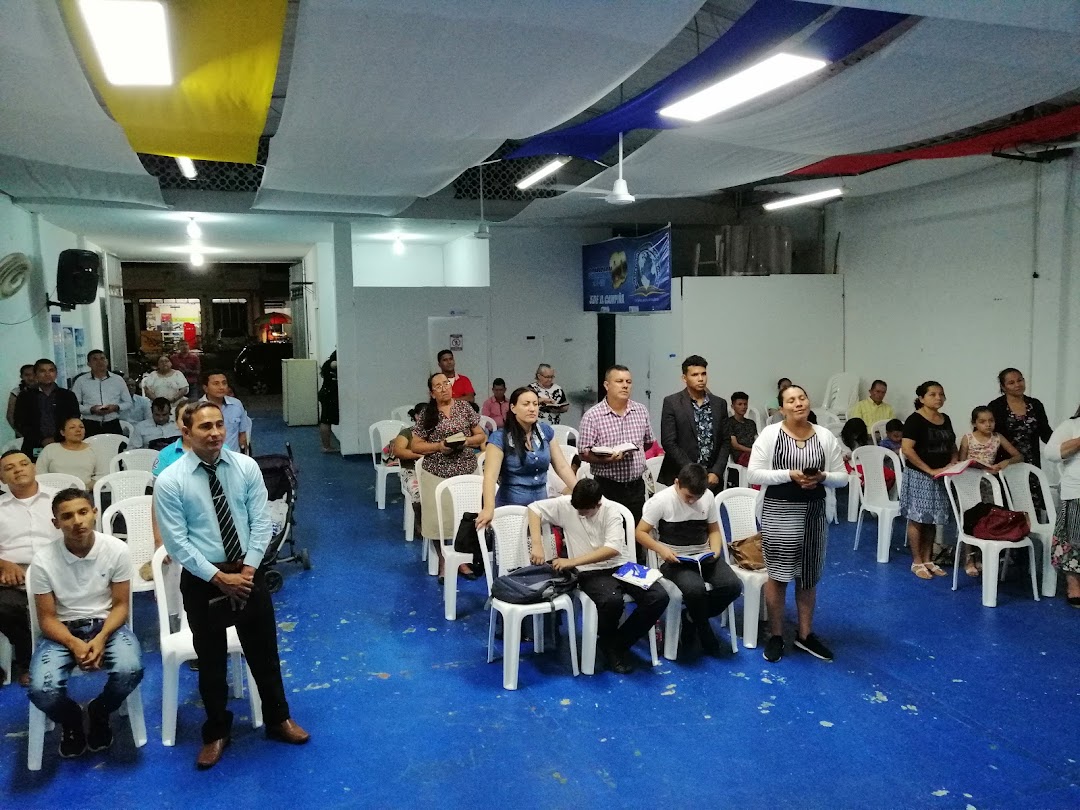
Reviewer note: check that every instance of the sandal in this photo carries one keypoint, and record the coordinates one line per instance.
(971, 568)
(919, 570)
(936, 570)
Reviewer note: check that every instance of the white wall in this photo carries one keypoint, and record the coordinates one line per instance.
(376, 265)
(466, 262)
(25, 333)
(939, 285)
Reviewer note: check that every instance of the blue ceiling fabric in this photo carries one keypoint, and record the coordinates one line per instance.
(767, 24)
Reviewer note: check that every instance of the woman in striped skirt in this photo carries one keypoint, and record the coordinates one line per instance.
(795, 460)
(1064, 446)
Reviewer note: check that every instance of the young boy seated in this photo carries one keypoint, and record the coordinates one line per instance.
(742, 431)
(894, 434)
(684, 516)
(80, 586)
(596, 544)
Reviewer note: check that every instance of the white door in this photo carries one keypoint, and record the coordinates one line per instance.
(467, 336)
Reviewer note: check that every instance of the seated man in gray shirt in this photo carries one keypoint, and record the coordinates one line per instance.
(159, 426)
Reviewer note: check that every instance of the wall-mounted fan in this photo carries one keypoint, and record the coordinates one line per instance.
(14, 269)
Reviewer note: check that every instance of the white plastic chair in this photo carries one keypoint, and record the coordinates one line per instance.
(827, 419)
(652, 476)
(121, 486)
(743, 506)
(488, 424)
(39, 723)
(875, 495)
(964, 492)
(510, 525)
(877, 430)
(59, 481)
(427, 554)
(841, 393)
(401, 414)
(563, 433)
(755, 416)
(466, 495)
(1018, 493)
(136, 512)
(107, 445)
(409, 514)
(127, 428)
(381, 434)
(673, 613)
(741, 471)
(133, 460)
(6, 655)
(178, 647)
(590, 618)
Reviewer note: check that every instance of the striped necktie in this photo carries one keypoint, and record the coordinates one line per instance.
(230, 540)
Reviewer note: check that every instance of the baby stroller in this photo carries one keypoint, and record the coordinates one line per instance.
(280, 476)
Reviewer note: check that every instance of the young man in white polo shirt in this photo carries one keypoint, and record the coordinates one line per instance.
(81, 587)
(684, 516)
(596, 547)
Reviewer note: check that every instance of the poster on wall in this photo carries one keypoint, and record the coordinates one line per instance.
(628, 274)
(80, 352)
(71, 361)
(59, 356)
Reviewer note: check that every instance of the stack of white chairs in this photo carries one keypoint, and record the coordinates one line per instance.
(510, 525)
(39, 723)
(875, 496)
(590, 618)
(841, 394)
(965, 492)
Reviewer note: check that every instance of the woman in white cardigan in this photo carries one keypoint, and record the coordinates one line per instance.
(794, 461)
(1064, 446)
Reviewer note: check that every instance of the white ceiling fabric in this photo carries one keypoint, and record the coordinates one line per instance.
(1051, 15)
(939, 77)
(56, 138)
(396, 99)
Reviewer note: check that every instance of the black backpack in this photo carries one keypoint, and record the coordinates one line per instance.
(533, 583)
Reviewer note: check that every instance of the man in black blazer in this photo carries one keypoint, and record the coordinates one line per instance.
(680, 435)
(40, 412)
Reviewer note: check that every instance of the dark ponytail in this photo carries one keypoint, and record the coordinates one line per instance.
(431, 410)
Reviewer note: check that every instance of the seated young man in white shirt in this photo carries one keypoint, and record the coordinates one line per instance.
(596, 546)
(81, 587)
(684, 516)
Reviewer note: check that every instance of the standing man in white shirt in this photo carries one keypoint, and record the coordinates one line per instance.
(82, 588)
(25, 514)
(101, 395)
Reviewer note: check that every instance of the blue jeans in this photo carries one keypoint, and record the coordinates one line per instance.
(52, 664)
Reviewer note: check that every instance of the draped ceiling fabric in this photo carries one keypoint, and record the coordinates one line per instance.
(55, 140)
(1050, 15)
(939, 77)
(392, 99)
(224, 60)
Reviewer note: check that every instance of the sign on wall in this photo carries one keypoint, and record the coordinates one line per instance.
(628, 274)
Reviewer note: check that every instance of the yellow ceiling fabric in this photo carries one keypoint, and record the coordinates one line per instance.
(224, 61)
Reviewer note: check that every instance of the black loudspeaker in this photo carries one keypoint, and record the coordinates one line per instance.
(77, 276)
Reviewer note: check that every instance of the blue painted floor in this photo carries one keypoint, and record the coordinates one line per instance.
(933, 701)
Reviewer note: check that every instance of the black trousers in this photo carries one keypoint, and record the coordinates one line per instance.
(632, 496)
(607, 592)
(15, 624)
(95, 428)
(700, 603)
(257, 629)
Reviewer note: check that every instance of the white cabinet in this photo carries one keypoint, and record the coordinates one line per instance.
(300, 392)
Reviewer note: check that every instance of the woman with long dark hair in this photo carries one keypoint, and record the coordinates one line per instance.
(444, 418)
(795, 460)
(518, 456)
(929, 445)
(1019, 418)
(1064, 446)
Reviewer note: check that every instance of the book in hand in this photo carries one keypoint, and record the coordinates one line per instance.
(635, 574)
(960, 466)
(695, 558)
(625, 447)
(455, 441)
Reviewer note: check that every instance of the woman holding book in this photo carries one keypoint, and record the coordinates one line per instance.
(447, 434)
(518, 456)
(929, 446)
(794, 460)
(1064, 447)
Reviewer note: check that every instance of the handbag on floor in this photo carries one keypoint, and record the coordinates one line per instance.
(986, 521)
(746, 553)
(467, 541)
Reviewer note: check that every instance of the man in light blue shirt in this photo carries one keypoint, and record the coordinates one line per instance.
(211, 511)
(237, 423)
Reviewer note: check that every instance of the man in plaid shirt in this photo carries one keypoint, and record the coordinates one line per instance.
(616, 420)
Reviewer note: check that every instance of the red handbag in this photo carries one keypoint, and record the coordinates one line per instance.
(988, 522)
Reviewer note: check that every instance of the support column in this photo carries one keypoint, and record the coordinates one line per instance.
(349, 430)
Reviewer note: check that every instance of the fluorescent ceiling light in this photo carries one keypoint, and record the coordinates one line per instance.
(542, 172)
(805, 198)
(187, 167)
(193, 229)
(131, 40)
(197, 260)
(399, 247)
(765, 76)
(393, 236)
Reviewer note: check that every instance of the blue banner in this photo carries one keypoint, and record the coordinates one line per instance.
(628, 274)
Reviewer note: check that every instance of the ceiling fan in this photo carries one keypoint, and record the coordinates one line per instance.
(620, 194)
(482, 230)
